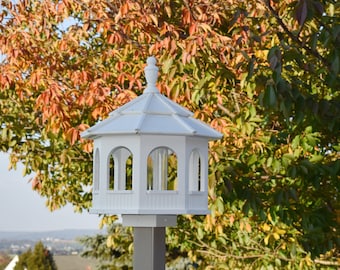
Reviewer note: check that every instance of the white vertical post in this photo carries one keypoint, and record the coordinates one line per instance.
(160, 169)
(194, 174)
(162, 154)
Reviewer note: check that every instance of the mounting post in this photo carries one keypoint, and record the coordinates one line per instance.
(149, 239)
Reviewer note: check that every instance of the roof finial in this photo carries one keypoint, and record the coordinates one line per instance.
(151, 75)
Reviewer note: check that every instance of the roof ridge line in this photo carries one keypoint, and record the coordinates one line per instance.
(146, 105)
(180, 120)
(173, 106)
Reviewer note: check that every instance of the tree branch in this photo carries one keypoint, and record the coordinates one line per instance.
(329, 263)
(295, 38)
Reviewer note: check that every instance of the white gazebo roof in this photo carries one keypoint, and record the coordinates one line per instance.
(151, 113)
(13, 263)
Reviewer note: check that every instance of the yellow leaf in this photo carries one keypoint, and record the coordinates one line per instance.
(154, 19)
(276, 236)
(270, 217)
(168, 11)
(241, 226)
(248, 227)
(280, 231)
(232, 219)
(309, 261)
(266, 239)
(110, 241)
(130, 248)
(265, 227)
(209, 221)
(219, 229)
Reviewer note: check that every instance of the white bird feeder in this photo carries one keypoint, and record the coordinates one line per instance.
(150, 159)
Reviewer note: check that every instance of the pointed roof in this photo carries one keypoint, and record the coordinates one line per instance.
(151, 113)
(12, 263)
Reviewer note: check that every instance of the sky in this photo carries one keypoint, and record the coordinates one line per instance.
(22, 209)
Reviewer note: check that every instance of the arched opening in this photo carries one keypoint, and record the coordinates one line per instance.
(195, 172)
(96, 176)
(162, 169)
(120, 169)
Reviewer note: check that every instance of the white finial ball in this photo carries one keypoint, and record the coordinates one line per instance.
(151, 61)
(151, 73)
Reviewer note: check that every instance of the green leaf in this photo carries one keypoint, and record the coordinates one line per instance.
(166, 65)
(252, 159)
(336, 147)
(316, 158)
(270, 99)
(200, 233)
(296, 142)
(287, 159)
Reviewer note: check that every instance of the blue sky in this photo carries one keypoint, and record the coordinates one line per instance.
(22, 209)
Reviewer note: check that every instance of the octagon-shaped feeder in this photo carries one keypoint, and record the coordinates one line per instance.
(150, 157)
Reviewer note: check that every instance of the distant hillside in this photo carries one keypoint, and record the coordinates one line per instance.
(59, 234)
(75, 263)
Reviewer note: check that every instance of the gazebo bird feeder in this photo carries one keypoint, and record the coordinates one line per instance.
(150, 165)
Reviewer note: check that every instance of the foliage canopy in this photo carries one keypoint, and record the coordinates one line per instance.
(40, 258)
(263, 72)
